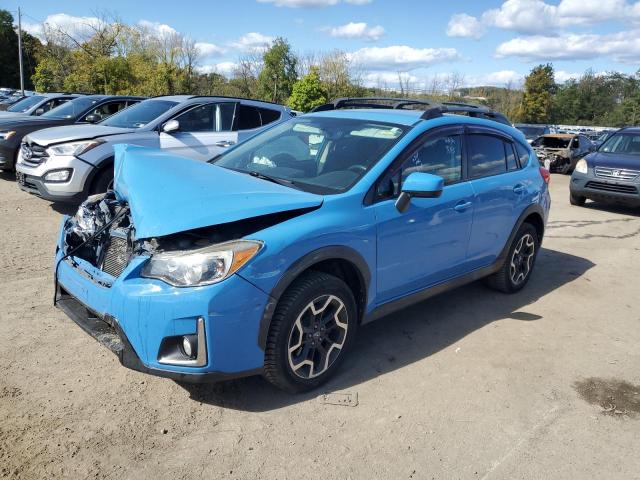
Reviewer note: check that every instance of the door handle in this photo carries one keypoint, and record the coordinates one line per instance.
(519, 188)
(462, 206)
(225, 143)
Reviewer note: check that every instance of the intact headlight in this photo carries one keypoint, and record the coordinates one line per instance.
(74, 148)
(204, 266)
(7, 134)
(581, 166)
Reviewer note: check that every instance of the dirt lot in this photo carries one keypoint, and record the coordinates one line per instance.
(471, 384)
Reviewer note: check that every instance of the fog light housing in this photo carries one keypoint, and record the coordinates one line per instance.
(190, 346)
(58, 176)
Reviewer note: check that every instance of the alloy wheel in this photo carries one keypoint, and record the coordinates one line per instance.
(317, 336)
(522, 259)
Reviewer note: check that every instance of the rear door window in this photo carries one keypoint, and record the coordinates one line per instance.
(486, 155)
(512, 162)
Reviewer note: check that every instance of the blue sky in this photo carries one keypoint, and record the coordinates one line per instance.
(487, 42)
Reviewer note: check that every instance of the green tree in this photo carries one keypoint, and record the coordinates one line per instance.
(308, 92)
(278, 74)
(9, 66)
(537, 101)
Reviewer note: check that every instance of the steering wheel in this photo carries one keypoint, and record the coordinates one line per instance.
(284, 160)
(358, 168)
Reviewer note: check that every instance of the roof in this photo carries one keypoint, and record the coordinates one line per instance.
(628, 129)
(561, 135)
(400, 117)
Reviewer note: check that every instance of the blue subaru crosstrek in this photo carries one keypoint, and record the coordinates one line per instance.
(267, 259)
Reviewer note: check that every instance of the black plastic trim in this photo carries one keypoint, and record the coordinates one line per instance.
(327, 253)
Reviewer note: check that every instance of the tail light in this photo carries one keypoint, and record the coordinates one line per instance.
(544, 173)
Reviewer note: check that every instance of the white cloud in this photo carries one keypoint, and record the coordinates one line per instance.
(252, 41)
(465, 26)
(80, 28)
(356, 30)
(539, 17)
(562, 76)
(157, 29)
(401, 57)
(208, 50)
(223, 68)
(389, 79)
(312, 3)
(622, 47)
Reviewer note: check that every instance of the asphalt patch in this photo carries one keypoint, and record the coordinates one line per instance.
(616, 397)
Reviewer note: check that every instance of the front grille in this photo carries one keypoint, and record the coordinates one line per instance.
(612, 187)
(616, 173)
(116, 256)
(33, 154)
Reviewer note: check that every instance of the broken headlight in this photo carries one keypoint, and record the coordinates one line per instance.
(203, 266)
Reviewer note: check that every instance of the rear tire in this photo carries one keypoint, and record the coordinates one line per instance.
(102, 181)
(577, 200)
(518, 266)
(312, 330)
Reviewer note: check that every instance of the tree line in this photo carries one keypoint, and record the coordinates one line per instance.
(110, 57)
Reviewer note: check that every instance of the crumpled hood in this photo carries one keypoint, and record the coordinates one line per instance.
(614, 160)
(71, 133)
(170, 194)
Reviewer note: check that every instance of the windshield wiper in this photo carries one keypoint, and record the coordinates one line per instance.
(279, 181)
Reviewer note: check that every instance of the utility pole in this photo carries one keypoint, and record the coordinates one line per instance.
(20, 51)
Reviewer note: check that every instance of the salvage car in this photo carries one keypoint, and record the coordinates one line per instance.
(560, 152)
(81, 110)
(66, 164)
(268, 258)
(612, 174)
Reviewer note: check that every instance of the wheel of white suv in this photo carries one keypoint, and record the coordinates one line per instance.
(516, 270)
(312, 329)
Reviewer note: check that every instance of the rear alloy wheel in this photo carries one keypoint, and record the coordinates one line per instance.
(312, 329)
(516, 270)
(577, 200)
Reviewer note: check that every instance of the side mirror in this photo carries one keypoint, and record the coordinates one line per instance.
(419, 185)
(39, 111)
(171, 126)
(93, 118)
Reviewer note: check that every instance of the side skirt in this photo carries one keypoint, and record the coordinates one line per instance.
(404, 302)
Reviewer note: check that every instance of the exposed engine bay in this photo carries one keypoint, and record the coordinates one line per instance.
(102, 233)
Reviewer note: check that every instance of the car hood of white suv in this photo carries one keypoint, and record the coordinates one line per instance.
(72, 133)
(167, 193)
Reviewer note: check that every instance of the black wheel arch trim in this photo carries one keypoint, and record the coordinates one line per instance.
(335, 252)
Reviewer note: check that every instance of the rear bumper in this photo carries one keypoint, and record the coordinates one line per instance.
(605, 190)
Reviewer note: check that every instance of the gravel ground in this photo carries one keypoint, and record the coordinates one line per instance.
(471, 384)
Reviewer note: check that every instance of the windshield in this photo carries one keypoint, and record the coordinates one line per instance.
(320, 155)
(532, 132)
(552, 142)
(627, 143)
(71, 109)
(25, 104)
(139, 115)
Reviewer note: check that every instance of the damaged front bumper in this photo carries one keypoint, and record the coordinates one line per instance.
(136, 317)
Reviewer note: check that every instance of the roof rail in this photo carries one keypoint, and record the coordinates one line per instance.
(370, 102)
(433, 110)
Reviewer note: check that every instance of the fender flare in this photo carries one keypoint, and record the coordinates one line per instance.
(534, 208)
(335, 252)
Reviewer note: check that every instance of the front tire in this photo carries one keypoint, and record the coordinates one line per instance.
(103, 181)
(577, 200)
(514, 274)
(312, 330)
